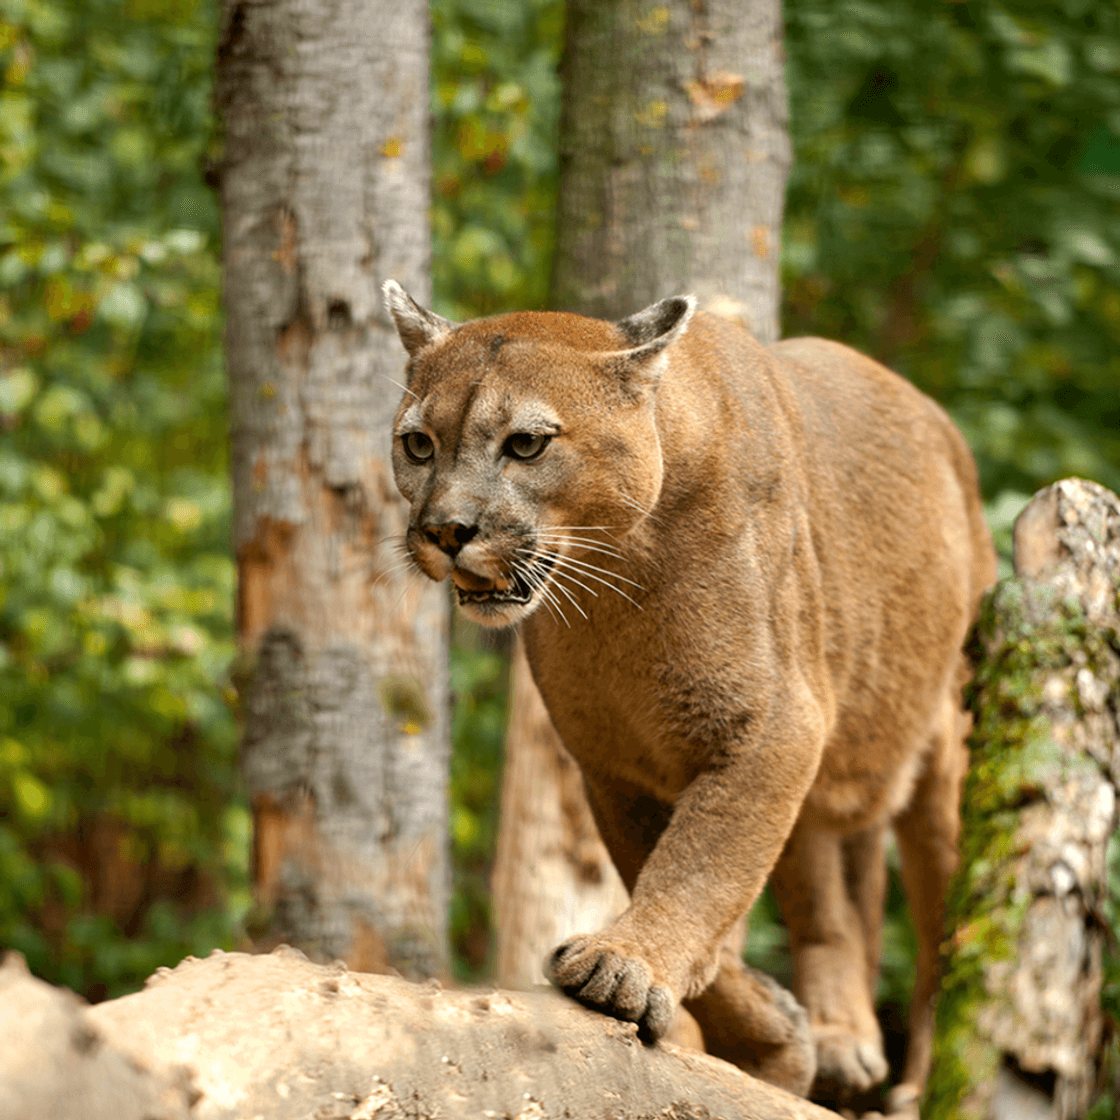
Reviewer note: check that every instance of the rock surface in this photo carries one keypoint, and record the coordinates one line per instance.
(57, 1063)
(239, 1037)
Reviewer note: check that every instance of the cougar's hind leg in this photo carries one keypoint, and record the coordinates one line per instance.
(750, 1020)
(928, 831)
(832, 936)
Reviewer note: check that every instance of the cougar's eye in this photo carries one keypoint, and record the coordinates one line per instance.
(417, 446)
(525, 445)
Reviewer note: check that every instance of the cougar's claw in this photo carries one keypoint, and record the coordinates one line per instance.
(614, 981)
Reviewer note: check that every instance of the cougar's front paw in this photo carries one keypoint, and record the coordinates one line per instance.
(613, 980)
(847, 1063)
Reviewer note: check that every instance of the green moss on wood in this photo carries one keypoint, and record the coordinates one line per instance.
(1023, 635)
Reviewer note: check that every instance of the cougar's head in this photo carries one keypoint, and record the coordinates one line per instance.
(527, 446)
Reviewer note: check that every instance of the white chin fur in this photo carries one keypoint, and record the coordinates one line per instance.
(497, 615)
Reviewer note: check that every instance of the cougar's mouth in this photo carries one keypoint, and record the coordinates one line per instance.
(517, 588)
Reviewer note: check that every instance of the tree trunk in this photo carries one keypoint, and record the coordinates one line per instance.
(324, 193)
(1020, 1030)
(674, 155)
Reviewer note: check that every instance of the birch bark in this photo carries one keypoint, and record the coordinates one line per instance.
(324, 193)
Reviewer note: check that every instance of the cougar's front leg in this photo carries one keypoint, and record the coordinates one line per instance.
(703, 871)
(593, 968)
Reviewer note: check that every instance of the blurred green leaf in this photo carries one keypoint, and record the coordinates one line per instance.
(495, 107)
(117, 746)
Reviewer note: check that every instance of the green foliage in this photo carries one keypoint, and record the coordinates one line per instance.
(952, 210)
(122, 845)
(767, 945)
(479, 686)
(495, 113)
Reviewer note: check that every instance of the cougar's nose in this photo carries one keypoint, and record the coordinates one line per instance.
(450, 536)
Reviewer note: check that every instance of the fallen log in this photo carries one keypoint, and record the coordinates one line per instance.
(1020, 1030)
(236, 1037)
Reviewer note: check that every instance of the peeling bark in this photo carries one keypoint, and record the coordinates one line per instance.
(324, 191)
(1020, 1029)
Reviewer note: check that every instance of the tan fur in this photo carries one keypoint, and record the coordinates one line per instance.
(791, 548)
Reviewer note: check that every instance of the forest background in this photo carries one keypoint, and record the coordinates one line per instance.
(952, 210)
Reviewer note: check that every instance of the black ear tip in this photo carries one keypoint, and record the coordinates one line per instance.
(673, 311)
(668, 316)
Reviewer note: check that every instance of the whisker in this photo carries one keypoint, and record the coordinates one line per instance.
(613, 553)
(559, 586)
(400, 386)
(548, 606)
(403, 562)
(567, 595)
(547, 597)
(634, 505)
(572, 531)
(388, 574)
(536, 582)
(539, 581)
(400, 598)
(588, 571)
(398, 543)
(544, 599)
(589, 590)
(568, 575)
(590, 568)
(568, 534)
(584, 528)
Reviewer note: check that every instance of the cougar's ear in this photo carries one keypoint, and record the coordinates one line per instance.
(417, 326)
(651, 333)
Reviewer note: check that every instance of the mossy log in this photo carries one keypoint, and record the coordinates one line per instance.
(275, 1037)
(1021, 1031)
